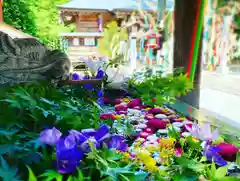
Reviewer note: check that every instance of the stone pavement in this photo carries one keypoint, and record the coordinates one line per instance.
(221, 95)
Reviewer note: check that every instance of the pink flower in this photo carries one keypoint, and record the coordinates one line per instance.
(117, 101)
(106, 100)
(228, 151)
(186, 127)
(122, 112)
(134, 103)
(120, 107)
(157, 123)
(155, 111)
(107, 116)
(178, 152)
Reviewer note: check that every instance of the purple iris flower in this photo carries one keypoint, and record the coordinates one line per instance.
(70, 149)
(67, 159)
(81, 139)
(50, 136)
(117, 142)
(76, 76)
(211, 153)
(87, 86)
(100, 74)
(100, 100)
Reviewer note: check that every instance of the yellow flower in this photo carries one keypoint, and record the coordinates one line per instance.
(150, 165)
(127, 100)
(117, 116)
(125, 157)
(164, 110)
(148, 108)
(167, 143)
(195, 140)
(152, 148)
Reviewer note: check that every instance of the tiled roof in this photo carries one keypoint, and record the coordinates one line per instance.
(110, 5)
(12, 32)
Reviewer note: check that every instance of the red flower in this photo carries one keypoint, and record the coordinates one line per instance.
(228, 151)
(153, 99)
(107, 116)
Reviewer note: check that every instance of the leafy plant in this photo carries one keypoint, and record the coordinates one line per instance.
(157, 90)
(219, 174)
(110, 42)
(35, 17)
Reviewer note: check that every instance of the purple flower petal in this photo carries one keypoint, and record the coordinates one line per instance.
(50, 136)
(100, 74)
(90, 132)
(67, 159)
(76, 76)
(211, 153)
(85, 147)
(102, 133)
(117, 142)
(70, 141)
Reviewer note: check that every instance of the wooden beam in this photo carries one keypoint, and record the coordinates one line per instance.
(185, 15)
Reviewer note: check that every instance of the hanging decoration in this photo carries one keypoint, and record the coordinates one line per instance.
(192, 63)
(100, 22)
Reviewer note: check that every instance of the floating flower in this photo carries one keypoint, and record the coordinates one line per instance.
(227, 151)
(157, 123)
(107, 116)
(211, 153)
(106, 100)
(134, 103)
(121, 107)
(50, 136)
(155, 111)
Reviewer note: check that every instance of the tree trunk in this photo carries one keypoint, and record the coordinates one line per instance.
(185, 15)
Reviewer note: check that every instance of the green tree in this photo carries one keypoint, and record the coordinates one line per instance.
(18, 14)
(39, 18)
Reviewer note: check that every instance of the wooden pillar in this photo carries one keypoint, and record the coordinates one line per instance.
(185, 14)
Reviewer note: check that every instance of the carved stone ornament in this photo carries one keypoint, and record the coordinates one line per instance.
(26, 60)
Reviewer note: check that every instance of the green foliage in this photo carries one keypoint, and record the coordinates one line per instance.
(110, 42)
(25, 111)
(157, 89)
(108, 163)
(39, 104)
(19, 14)
(218, 174)
(8, 173)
